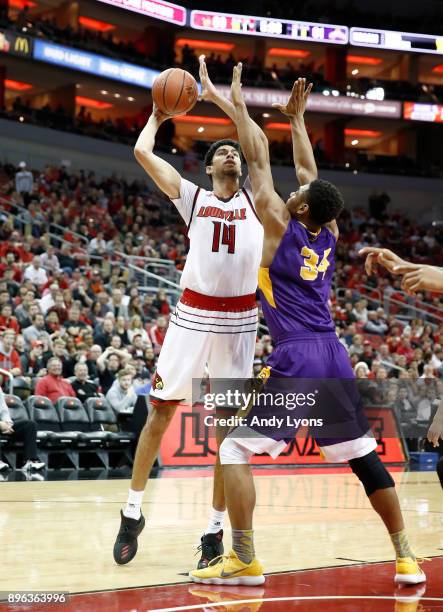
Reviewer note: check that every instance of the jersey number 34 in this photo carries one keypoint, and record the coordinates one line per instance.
(311, 268)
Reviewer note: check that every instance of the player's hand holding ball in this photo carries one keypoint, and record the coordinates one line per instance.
(174, 92)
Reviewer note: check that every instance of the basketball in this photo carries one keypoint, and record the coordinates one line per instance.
(175, 91)
(227, 198)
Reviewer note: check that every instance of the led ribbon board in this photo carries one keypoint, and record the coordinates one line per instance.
(94, 64)
(157, 9)
(416, 111)
(396, 41)
(264, 26)
(317, 102)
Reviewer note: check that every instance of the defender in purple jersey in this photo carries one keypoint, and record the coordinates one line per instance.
(294, 280)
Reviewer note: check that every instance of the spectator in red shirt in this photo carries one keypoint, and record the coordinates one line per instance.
(53, 385)
(9, 358)
(158, 333)
(161, 302)
(7, 320)
(406, 349)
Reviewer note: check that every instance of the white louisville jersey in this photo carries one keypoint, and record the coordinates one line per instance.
(226, 239)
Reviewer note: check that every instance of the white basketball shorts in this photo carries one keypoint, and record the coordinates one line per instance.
(215, 331)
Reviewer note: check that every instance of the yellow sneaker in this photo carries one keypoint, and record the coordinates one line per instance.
(408, 571)
(230, 570)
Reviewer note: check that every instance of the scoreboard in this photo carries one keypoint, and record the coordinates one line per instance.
(396, 41)
(270, 27)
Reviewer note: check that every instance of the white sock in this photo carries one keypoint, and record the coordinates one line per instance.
(133, 505)
(216, 521)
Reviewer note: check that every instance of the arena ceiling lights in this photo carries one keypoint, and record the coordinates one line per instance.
(283, 52)
(364, 60)
(91, 103)
(21, 4)
(95, 24)
(17, 85)
(210, 45)
(362, 133)
(202, 119)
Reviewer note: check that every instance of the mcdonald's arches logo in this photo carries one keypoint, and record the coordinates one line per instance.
(21, 45)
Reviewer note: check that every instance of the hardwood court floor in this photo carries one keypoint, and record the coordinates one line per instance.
(59, 535)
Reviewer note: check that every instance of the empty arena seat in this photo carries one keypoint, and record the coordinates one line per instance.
(73, 415)
(50, 437)
(43, 412)
(101, 414)
(16, 407)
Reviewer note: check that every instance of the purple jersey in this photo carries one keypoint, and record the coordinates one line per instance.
(295, 289)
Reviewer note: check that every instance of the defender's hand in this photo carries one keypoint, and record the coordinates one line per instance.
(386, 258)
(296, 105)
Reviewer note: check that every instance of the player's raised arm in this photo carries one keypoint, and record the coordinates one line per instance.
(254, 145)
(211, 94)
(162, 173)
(304, 161)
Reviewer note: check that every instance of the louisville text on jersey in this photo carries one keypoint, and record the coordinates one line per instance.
(239, 214)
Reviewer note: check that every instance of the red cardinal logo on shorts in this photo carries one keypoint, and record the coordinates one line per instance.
(158, 382)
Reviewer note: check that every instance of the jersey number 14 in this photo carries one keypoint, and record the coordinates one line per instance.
(227, 236)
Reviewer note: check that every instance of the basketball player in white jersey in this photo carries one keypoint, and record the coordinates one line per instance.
(215, 321)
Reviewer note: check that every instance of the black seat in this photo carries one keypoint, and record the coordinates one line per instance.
(101, 414)
(50, 437)
(73, 415)
(77, 424)
(42, 411)
(16, 407)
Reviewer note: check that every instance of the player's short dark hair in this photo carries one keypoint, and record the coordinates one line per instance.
(216, 145)
(325, 201)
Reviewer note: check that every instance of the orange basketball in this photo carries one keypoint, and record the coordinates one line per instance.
(175, 91)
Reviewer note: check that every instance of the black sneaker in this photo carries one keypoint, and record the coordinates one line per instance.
(125, 547)
(211, 547)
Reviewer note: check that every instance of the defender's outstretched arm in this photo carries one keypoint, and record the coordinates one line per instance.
(304, 161)
(254, 145)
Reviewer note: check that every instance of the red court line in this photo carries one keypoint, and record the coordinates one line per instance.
(370, 584)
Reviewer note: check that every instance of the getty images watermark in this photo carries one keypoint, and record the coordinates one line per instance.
(242, 402)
